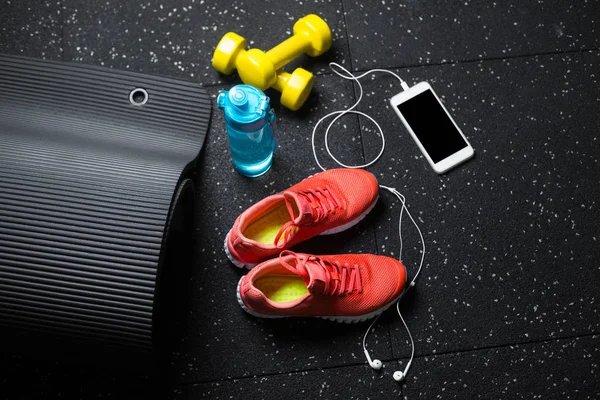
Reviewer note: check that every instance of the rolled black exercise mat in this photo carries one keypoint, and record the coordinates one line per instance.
(93, 163)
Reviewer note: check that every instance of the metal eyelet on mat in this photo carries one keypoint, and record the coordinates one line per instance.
(138, 97)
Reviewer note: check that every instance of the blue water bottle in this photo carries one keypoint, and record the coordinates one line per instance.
(249, 121)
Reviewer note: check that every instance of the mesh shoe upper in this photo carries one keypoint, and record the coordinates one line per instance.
(336, 285)
(323, 202)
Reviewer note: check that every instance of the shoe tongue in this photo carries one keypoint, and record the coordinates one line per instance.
(317, 279)
(305, 209)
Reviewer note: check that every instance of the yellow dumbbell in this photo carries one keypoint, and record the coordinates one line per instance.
(294, 87)
(257, 68)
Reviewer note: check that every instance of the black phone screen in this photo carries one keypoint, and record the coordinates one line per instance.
(431, 124)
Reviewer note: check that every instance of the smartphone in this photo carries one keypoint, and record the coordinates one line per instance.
(441, 141)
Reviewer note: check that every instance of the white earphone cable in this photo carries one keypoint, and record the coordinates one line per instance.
(345, 74)
(413, 280)
(340, 113)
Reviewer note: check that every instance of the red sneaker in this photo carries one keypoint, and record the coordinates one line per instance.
(328, 202)
(343, 288)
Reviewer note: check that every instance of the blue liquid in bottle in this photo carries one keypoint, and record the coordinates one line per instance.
(249, 123)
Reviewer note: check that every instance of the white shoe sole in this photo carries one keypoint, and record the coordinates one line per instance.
(234, 260)
(331, 231)
(347, 319)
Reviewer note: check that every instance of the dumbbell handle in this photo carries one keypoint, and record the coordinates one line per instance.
(287, 50)
(282, 79)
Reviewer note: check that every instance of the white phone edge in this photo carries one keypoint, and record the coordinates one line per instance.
(449, 162)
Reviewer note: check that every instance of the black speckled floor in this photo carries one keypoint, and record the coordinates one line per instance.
(508, 305)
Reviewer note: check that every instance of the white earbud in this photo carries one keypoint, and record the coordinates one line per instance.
(375, 364)
(399, 376)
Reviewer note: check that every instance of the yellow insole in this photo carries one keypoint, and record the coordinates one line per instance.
(281, 288)
(265, 228)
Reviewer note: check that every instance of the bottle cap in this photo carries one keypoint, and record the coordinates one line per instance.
(246, 108)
